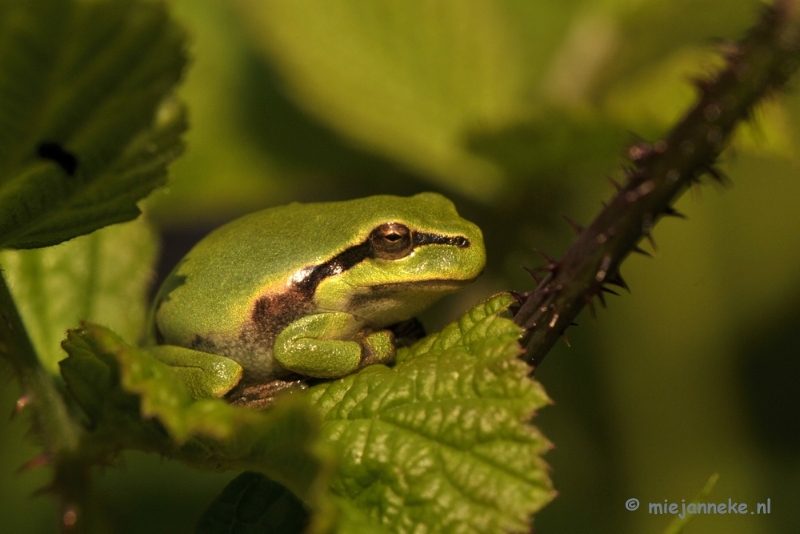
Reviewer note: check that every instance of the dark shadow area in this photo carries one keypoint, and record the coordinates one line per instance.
(175, 244)
(769, 374)
(149, 494)
(555, 145)
(587, 470)
(768, 368)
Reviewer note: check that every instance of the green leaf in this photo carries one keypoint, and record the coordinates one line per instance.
(443, 438)
(425, 74)
(355, 520)
(87, 126)
(101, 277)
(125, 390)
(546, 145)
(253, 504)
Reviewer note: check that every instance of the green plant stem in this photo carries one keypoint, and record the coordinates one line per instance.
(53, 422)
(758, 65)
(39, 390)
(679, 524)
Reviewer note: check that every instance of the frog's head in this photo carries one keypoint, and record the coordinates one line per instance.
(409, 253)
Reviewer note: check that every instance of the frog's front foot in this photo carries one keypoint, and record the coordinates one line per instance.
(262, 396)
(331, 345)
(377, 347)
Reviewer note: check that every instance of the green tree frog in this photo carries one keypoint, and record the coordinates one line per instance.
(308, 290)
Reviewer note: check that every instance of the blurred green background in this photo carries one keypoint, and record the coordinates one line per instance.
(516, 110)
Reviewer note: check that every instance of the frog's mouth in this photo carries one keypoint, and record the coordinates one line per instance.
(423, 286)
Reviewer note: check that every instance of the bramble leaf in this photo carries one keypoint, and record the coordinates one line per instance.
(442, 440)
(425, 76)
(135, 401)
(252, 503)
(87, 126)
(101, 277)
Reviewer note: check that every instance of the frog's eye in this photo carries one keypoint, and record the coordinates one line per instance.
(391, 241)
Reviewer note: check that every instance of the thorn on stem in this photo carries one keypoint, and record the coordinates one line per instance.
(575, 226)
(590, 305)
(614, 184)
(551, 268)
(617, 280)
(519, 297)
(602, 299)
(552, 263)
(38, 461)
(717, 175)
(538, 279)
(652, 242)
(546, 256)
(669, 211)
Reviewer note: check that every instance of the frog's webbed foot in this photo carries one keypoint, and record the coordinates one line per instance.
(262, 396)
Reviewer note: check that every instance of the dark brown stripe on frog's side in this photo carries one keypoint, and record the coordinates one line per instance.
(272, 313)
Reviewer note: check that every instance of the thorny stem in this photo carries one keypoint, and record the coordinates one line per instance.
(53, 422)
(759, 64)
